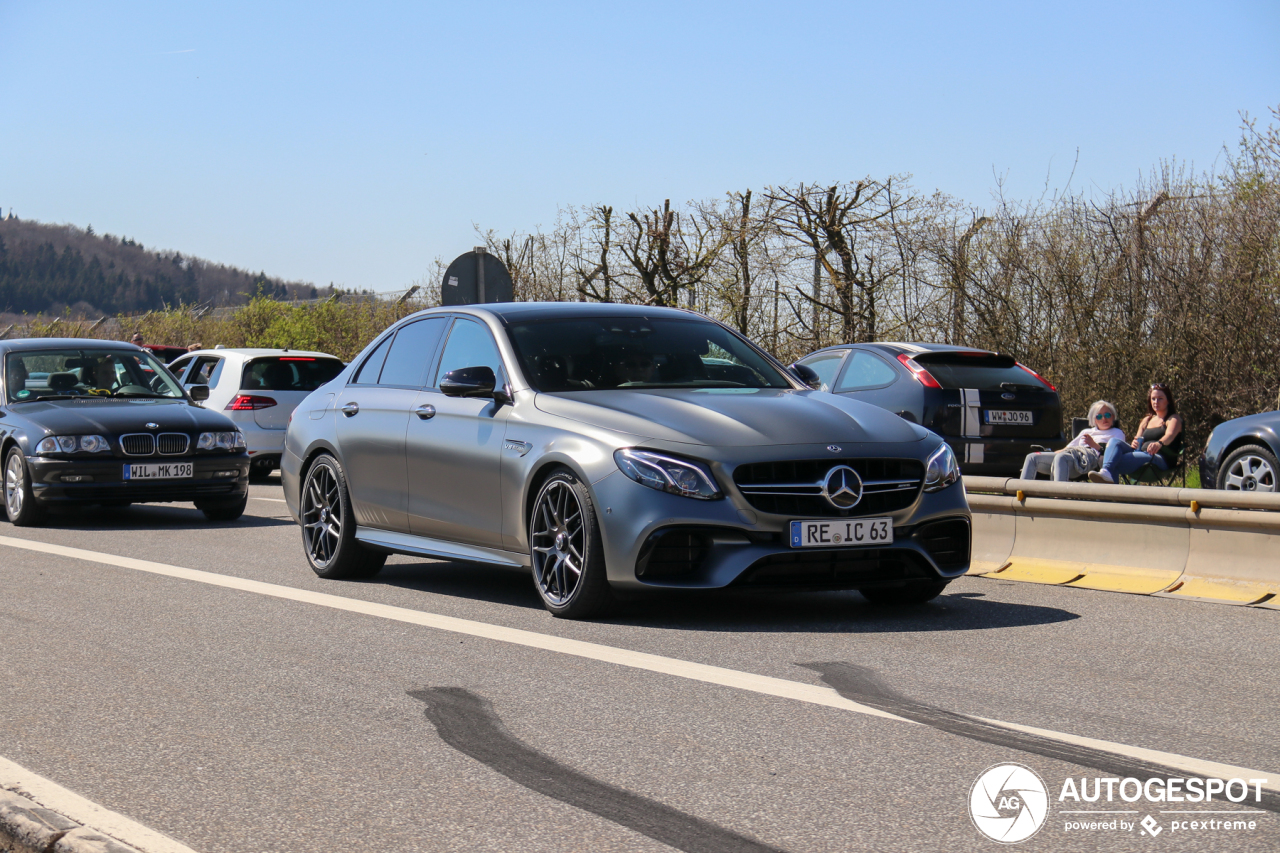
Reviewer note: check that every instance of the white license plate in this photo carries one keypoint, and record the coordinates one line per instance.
(1007, 416)
(842, 532)
(163, 471)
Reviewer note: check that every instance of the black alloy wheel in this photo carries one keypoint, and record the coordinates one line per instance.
(19, 500)
(566, 551)
(329, 529)
(1249, 469)
(912, 593)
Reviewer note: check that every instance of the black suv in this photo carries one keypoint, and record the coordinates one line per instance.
(992, 410)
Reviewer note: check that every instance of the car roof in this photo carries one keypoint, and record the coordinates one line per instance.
(29, 344)
(514, 311)
(258, 352)
(902, 347)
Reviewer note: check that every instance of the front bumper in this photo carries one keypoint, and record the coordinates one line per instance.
(49, 486)
(654, 539)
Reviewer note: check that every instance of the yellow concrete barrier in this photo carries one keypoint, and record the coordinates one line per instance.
(1141, 540)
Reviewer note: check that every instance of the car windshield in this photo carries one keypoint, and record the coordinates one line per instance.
(88, 372)
(605, 353)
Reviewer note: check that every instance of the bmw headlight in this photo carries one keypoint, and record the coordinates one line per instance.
(941, 470)
(667, 474)
(220, 441)
(72, 443)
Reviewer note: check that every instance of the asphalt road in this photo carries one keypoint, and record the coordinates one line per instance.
(234, 720)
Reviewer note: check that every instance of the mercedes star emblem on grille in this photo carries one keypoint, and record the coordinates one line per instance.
(152, 426)
(842, 487)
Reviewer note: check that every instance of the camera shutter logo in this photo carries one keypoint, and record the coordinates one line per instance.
(842, 487)
(1009, 803)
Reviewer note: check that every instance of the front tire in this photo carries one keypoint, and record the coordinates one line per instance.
(912, 593)
(566, 550)
(1249, 469)
(19, 500)
(223, 510)
(329, 528)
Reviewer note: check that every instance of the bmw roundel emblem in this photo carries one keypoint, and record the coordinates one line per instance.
(834, 448)
(842, 487)
(152, 426)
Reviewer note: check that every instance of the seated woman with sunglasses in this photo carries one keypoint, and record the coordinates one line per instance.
(1158, 440)
(1083, 453)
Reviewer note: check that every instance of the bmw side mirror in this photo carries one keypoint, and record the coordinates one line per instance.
(199, 393)
(807, 375)
(469, 382)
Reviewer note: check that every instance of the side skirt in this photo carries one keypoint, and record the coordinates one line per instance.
(405, 543)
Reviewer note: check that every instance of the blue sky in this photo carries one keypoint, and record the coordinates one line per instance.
(354, 143)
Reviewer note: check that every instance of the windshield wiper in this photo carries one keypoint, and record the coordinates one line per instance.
(146, 395)
(48, 397)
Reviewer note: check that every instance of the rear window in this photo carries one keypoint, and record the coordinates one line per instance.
(289, 373)
(984, 372)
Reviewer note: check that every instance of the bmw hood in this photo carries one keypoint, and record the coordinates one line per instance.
(735, 417)
(113, 417)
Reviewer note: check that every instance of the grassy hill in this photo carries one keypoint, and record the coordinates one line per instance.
(51, 269)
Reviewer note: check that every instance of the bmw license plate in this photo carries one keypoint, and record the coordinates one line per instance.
(1009, 416)
(163, 471)
(840, 533)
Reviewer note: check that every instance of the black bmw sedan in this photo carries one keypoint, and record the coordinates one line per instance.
(85, 421)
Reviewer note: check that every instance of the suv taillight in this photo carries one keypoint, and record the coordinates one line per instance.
(922, 376)
(249, 402)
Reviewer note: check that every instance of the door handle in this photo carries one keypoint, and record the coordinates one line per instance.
(425, 413)
(350, 409)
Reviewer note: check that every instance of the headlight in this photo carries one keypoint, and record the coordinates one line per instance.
(221, 441)
(72, 443)
(941, 470)
(666, 474)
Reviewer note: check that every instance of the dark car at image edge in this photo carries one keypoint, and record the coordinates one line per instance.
(1241, 454)
(989, 408)
(103, 422)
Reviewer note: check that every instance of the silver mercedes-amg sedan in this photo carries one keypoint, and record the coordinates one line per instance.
(607, 447)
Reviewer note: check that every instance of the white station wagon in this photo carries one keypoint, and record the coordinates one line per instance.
(258, 389)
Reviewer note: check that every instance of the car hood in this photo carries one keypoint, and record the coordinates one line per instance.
(736, 417)
(88, 417)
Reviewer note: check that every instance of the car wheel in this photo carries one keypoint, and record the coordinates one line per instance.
(19, 501)
(329, 529)
(912, 593)
(223, 510)
(566, 551)
(1249, 469)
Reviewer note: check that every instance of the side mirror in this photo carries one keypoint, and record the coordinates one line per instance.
(807, 375)
(199, 393)
(469, 382)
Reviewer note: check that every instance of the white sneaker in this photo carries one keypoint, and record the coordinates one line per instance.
(1102, 477)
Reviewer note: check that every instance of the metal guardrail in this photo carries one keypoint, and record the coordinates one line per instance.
(1187, 543)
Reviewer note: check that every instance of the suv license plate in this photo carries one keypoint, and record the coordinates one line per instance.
(166, 471)
(841, 533)
(1007, 416)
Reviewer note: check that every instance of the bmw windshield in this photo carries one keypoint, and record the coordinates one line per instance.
(88, 372)
(608, 353)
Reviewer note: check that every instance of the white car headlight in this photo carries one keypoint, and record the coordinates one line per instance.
(941, 470)
(667, 474)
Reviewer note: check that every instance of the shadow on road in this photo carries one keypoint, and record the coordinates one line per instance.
(733, 610)
(148, 517)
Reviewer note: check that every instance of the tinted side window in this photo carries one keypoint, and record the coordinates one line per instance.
(470, 345)
(411, 352)
(206, 370)
(866, 371)
(178, 366)
(825, 366)
(368, 372)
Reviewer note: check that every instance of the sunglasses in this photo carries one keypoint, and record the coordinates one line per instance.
(1106, 415)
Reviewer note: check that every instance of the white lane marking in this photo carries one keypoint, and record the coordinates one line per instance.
(815, 694)
(762, 684)
(54, 797)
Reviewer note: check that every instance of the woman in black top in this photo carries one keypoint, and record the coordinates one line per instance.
(1156, 440)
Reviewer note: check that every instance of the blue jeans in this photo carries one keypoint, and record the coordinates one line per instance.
(1121, 459)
